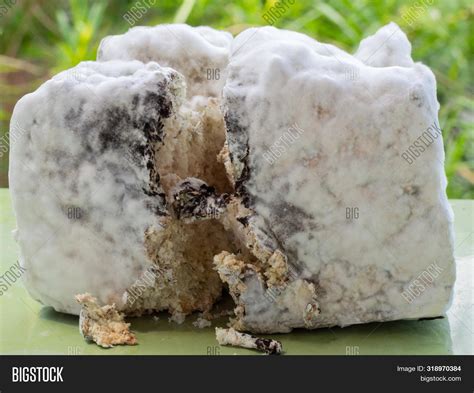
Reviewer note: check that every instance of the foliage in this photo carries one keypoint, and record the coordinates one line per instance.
(40, 38)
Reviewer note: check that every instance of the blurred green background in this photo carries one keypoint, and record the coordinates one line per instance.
(40, 38)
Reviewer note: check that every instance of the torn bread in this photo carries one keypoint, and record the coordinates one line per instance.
(140, 180)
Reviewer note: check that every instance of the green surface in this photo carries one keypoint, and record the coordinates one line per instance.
(26, 327)
(41, 37)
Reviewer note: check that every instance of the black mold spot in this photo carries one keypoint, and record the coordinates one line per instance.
(191, 200)
(159, 102)
(111, 128)
(267, 345)
(417, 98)
(243, 220)
(238, 151)
(135, 101)
(73, 116)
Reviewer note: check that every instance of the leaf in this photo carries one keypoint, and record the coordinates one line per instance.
(183, 12)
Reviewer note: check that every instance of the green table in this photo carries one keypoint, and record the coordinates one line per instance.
(27, 327)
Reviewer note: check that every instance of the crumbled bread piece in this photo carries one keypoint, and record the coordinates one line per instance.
(103, 325)
(177, 317)
(237, 339)
(202, 323)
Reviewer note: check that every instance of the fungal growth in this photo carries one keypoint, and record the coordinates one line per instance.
(206, 166)
(208, 216)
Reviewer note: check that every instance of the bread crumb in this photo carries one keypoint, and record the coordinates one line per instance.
(202, 323)
(237, 339)
(177, 317)
(103, 325)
